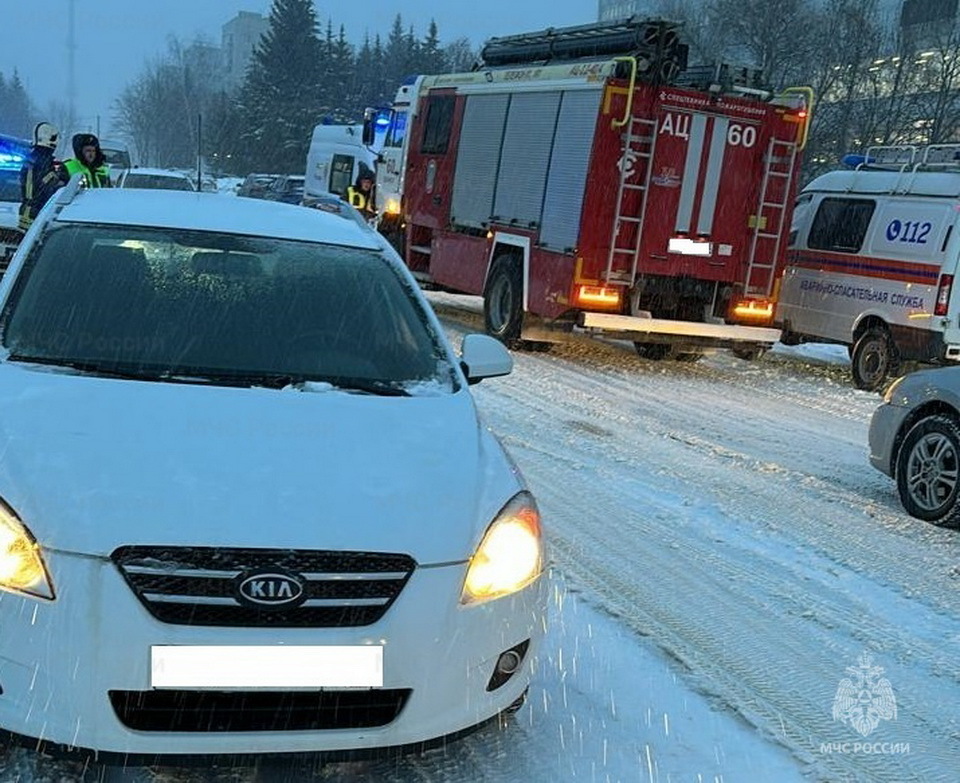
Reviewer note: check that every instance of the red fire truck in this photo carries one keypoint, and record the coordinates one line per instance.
(584, 179)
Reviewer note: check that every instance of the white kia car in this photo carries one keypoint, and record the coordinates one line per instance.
(247, 503)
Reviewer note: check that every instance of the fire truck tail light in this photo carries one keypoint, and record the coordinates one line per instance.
(690, 247)
(753, 310)
(943, 295)
(596, 296)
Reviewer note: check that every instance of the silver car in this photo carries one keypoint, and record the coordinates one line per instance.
(915, 439)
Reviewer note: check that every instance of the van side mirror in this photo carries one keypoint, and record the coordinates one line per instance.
(369, 127)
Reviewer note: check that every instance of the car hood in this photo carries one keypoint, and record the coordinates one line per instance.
(90, 464)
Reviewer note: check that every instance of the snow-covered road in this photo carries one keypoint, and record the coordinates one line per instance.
(723, 552)
(726, 510)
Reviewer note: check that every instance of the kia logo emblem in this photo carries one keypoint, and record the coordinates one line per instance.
(270, 589)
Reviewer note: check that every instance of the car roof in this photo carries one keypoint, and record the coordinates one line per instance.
(193, 211)
(157, 173)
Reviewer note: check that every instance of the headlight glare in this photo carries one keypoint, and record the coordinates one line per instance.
(510, 556)
(21, 565)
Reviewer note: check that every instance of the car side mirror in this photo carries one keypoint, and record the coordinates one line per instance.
(482, 357)
(369, 127)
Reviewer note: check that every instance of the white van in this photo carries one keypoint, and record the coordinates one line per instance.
(873, 257)
(335, 158)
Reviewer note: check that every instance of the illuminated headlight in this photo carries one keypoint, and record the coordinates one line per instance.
(510, 556)
(21, 566)
(393, 206)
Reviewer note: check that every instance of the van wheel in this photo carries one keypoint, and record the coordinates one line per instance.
(928, 469)
(503, 300)
(874, 359)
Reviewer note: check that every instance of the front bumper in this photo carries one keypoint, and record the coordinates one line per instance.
(60, 660)
(884, 427)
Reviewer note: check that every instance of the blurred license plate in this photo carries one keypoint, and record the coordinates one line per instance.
(275, 667)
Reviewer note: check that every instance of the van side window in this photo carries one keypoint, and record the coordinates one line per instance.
(436, 131)
(841, 224)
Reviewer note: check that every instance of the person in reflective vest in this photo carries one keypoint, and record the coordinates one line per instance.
(361, 194)
(41, 176)
(89, 161)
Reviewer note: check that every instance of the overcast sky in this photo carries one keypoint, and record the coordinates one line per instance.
(115, 36)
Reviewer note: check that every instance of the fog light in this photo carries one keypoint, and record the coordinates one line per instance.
(507, 665)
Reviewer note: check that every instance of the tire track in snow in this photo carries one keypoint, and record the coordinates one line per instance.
(805, 565)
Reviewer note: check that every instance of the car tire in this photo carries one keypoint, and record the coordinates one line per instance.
(503, 301)
(928, 471)
(874, 359)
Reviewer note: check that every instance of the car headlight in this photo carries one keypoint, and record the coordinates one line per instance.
(22, 569)
(510, 556)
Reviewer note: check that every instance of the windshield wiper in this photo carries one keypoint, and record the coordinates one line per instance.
(192, 375)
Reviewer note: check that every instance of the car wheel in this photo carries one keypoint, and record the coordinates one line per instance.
(874, 359)
(928, 467)
(503, 300)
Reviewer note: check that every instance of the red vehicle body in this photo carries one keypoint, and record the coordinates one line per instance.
(577, 196)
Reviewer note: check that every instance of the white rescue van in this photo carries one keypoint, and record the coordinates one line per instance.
(336, 155)
(873, 257)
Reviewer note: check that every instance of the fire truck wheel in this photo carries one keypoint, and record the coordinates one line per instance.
(748, 354)
(874, 359)
(503, 301)
(655, 352)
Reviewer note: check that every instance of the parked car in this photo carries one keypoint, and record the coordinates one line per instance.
(155, 179)
(256, 185)
(13, 154)
(915, 439)
(279, 524)
(287, 189)
(335, 206)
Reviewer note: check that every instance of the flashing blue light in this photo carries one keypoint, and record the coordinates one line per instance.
(11, 161)
(383, 122)
(853, 160)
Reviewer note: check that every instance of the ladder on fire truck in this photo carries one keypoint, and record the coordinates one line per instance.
(770, 216)
(639, 146)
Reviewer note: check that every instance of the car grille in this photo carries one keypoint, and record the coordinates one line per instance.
(219, 711)
(199, 585)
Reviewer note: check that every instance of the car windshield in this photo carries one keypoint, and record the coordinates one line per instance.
(166, 304)
(156, 182)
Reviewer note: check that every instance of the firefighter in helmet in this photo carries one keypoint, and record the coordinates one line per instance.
(361, 194)
(42, 175)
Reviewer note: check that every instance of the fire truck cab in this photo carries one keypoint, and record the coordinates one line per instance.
(585, 180)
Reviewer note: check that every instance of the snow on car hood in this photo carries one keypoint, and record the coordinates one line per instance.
(90, 464)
